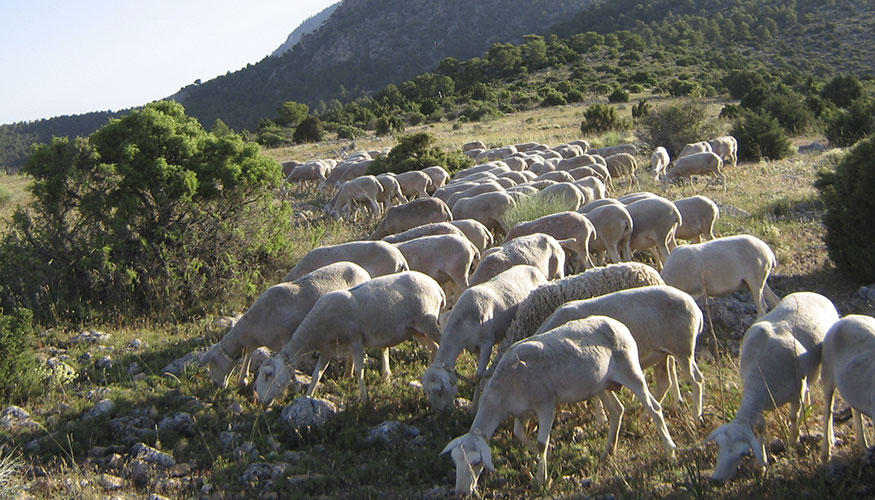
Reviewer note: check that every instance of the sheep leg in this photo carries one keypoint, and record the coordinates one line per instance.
(757, 293)
(858, 429)
(796, 412)
(519, 430)
(635, 382)
(694, 376)
(662, 381)
(771, 299)
(614, 409)
(386, 371)
(546, 414)
(828, 433)
(358, 359)
(428, 343)
(483, 355)
(671, 365)
(600, 416)
(318, 371)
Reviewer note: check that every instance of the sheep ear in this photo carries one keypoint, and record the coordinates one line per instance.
(452, 444)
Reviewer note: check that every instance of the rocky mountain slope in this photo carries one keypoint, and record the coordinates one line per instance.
(309, 26)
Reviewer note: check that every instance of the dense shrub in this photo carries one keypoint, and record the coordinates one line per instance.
(387, 124)
(847, 197)
(641, 109)
(842, 90)
(574, 95)
(309, 130)
(150, 215)
(618, 95)
(349, 132)
(790, 111)
(415, 152)
(676, 125)
(846, 126)
(554, 98)
(600, 118)
(760, 136)
(19, 374)
(476, 111)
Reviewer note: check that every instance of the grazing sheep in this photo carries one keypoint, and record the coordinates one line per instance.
(496, 153)
(622, 164)
(378, 258)
(476, 323)
(654, 222)
(698, 215)
(473, 145)
(721, 266)
(475, 231)
(613, 150)
(311, 172)
(446, 258)
(555, 175)
(539, 250)
(579, 173)
(486, 208)
(517, 177)
(521, 190)
(411, 214)
(505, 182)
(353, 171)
(571, 363)
(629, 198)
(433, 229)
(695, 164)
(696, 147)
(362, 189)
(562, 226)
(664, 322)
(391, 191)
(659, 161)
(516, 164)
(489, 186)
(540, 185)
(613, 232)
(481, 177)
(725, 147)
(568, 150)
(439, 176)
(848, 354)
(592, 188)
(445, 192)
(276, 313)
(414, 184)
(780, 357)
(565, 191)
(589, 207)
(379, 313)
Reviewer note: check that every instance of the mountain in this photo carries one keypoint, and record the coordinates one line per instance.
(308, 26)
(365, 45)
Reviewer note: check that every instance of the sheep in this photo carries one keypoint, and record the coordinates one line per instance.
(352, 171)
(391, 190)
(414, 183)
(606, 151)
(489, 186)
(379, 313)
(622, 164)
(592, 188)
(613, 232)
(541, 185)
(361, 189)
(583, 172)
(475, 231)
(566, 191)
(473, 145)
(654, 222)
(521, 190)
(411, 214)
(562, 226)
(432, 229)
(446, 191)
(496, 153)
(476, 323)
(582, 143)
(574, 362)
(555, 175)
(288, 166)
(276, 313)
(486, 208)
(721, 266)
(312, 171)
(539, 250)
(695, 164)
(446, 258)
(378, 258)
(541, 167)
(527, 146)
(589, 207)
(780, 357)
(516, 164)
(481, 177)
(698, 215)
(725, 147)
(629, 198)
(664, 322)
(695, 147)
(848, 350)
(439, 176)
(659, 161)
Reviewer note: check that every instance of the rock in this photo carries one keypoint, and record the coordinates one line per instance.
(391, 433)
(733, 211)
(111, 483)
(308, 412)
(228, 439)
(136, 345)
(16, 417)
(814, 147)
(153, 496)
(224, 323)
(85, 358)
(863, 300)
(259, 356)
(181, 422)
(179, 470)
(97, 394)
(180, 366)
(90, 337)
(101, 409)
(261, 471)
(114, 462)
(62, 373)
(151, 455)
(777, 446)
(246, 450)
(134, 369)
(104, 363)
(139, 472)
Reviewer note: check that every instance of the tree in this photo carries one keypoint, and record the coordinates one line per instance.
(600, 118)
(292, 113)
(760, 135)
(309, 130)
(676, 125)
(842, 90)
(415, 152)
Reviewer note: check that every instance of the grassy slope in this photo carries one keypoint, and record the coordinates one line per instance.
(338, 464)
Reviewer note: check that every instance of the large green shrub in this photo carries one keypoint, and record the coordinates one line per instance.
(309, 130)
(850, 206)
(415, 152)
(846, 126)
(19, 374)
(600, 118)
(676, 125)
(760, 136)
(150, 215)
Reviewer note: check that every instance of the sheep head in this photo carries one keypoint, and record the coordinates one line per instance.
(274, 377)
(440, 387)
(734, 441)
(220, 364)
(471, 454)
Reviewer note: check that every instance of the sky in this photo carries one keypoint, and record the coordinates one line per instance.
(63, 57)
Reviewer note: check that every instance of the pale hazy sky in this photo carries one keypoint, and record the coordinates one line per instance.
(63, 57)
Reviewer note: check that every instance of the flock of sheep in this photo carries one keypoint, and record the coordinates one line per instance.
(565, 327)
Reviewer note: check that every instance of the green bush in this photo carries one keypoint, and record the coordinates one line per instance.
(847, 198)
(760, 136)
(574, 95)
(845, 127)
(309, 130)
(842, 90)
(641, 109)
(349, 132)
(415, 152)
(149, 216)
(387, 124)
(554, 98)
(618, 95)
(19, 372)
(676, 125)
(600, 118)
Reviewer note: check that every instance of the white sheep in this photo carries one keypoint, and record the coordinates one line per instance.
(698, 215)
(664, 322)
(273, 317)
(848, 354)
(476, 232)
(488, 186)
(477, 321)
(391, 191)
(562, 226)
(486, 208)
(468, 146)
(659, 161)
(378, 258)
(439, 176)
(780, 357)
(432, 229)
(592, 188)
(721, 266)
(446, 258)
(446, 191)
(567, 192)
(654, 223)
(311, 172)
(622, 164)
(379, 313)
(695, 164)
(414, 183)
(726, 147)
(411, 214)
(539, 250)
(555, 175)
(574, 362)
(365, 188)
(613, 232)
(589, 207)
(517, 177)
(695, 147)
(606, 151)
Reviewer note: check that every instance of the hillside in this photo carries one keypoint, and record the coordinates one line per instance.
(308, 26)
